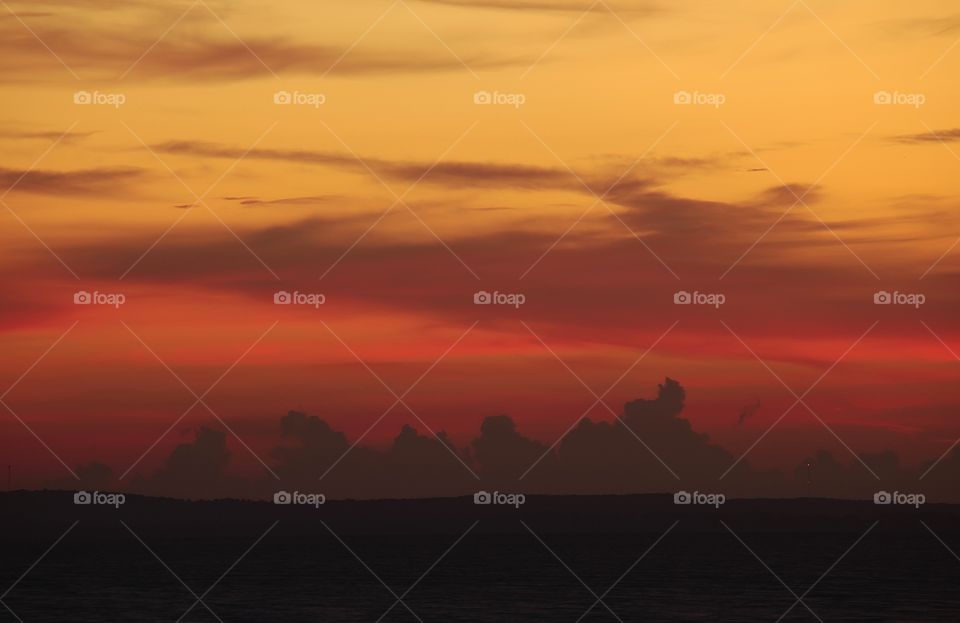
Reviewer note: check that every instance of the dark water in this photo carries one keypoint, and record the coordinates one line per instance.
(896, 576)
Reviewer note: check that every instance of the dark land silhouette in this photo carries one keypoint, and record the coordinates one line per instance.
(453, 560)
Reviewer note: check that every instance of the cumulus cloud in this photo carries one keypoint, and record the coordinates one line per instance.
(195, 469)
(649, 448)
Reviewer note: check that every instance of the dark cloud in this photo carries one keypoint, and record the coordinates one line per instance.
(444, 173)
(925, 26)
(748, 412)
(103, 181)
(651, 448)
(24, 14)
(621, 8)
(936, 136)
(200, 49)
(286, 201)
(194, 470)
(64, 137)
(316, 457)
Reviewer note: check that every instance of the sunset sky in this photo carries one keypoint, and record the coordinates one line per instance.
(432, 149)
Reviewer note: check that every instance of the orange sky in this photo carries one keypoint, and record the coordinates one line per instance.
(816, 165)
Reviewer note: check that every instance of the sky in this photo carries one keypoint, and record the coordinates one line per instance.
(784, 163)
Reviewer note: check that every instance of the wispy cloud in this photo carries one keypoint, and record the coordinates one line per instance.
(102, 181)
(936, 136)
